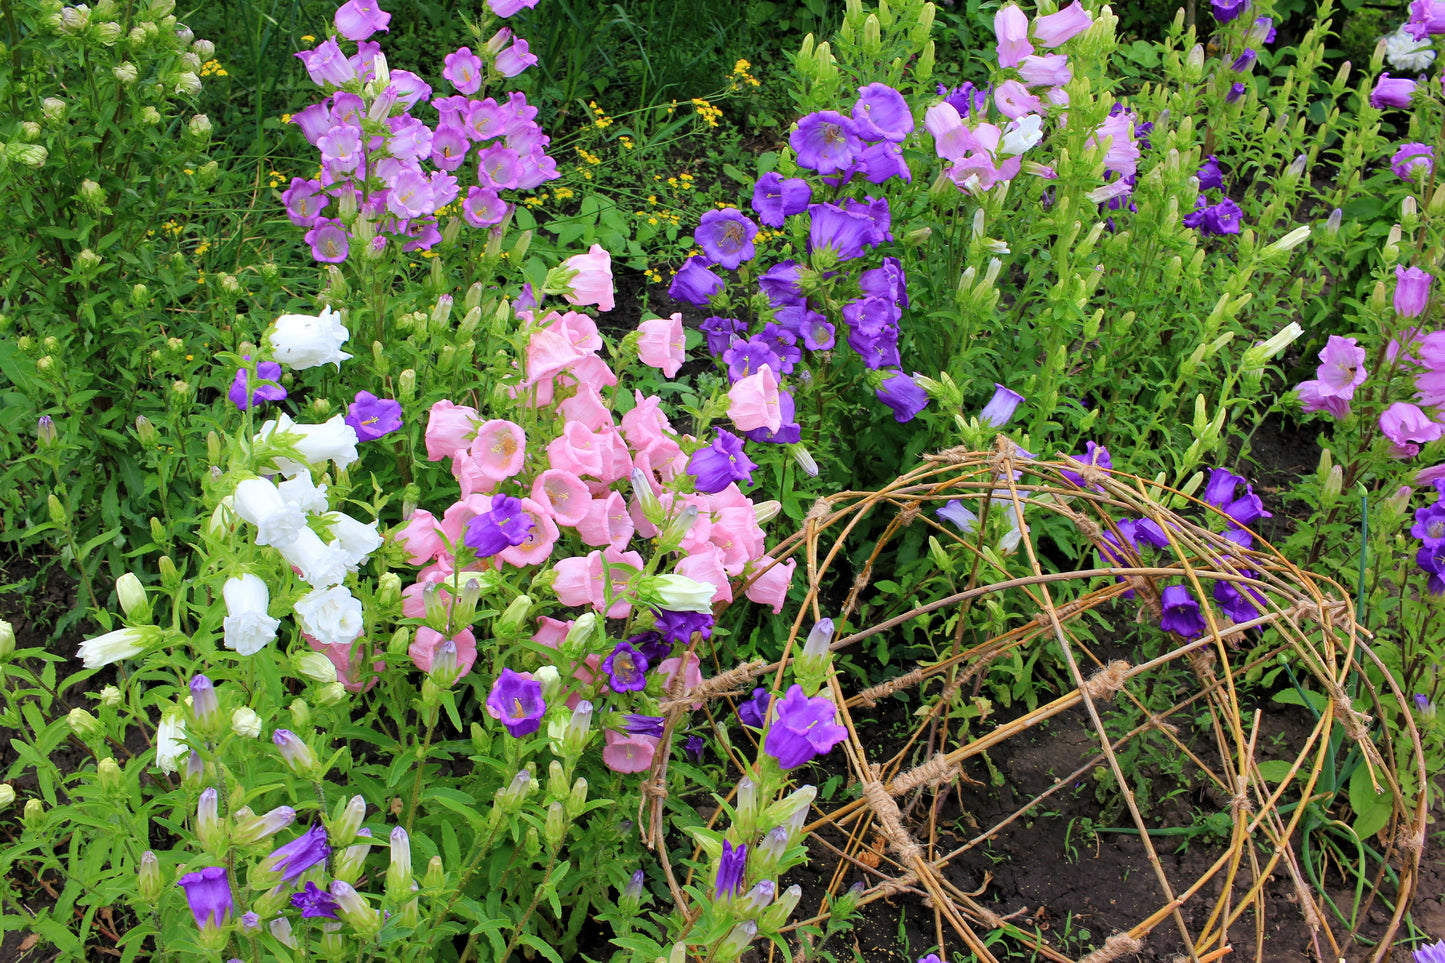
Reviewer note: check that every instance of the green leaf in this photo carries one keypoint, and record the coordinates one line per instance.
(1372, 809)
(536, 943)
(1276, 770)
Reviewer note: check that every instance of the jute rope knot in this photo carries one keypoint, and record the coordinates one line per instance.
(939, 769)
(1114, 947)
(1108, 680)
(819, 510)
(870, 696)
(890, 820)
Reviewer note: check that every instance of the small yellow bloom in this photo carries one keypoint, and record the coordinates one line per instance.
(307, 38)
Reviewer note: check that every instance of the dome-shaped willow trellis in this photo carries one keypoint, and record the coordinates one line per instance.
(883, 835)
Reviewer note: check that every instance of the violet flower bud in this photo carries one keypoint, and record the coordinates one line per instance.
(353, 909)
(209, 831)
(296, 753)
(631, 897)
(253, 829)
(205, 705)
(398, 872)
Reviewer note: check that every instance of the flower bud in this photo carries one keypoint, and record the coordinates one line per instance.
(352, 908)
(194, 772)
(92, 195)
(149, 876)
(145, 431)
(347, 820)
(398, 873)
(33, 815)
(575, 737)
(314, 666)
(112, 779)
(804, 460)
(555, 827)
(434, 879)
(209, 831)
(205, 705)
(577, 798)
(252, 829)
(630, 899)
(1333, 484)
(82, 723)
(1194, 64)
(731, 948)
(511, 798)
(7, 640)
(777, 915)
(348, 864)
(133, 598)
(759, 898)
(444, 668)
(110, 697)
(150, 116)
(296, 753)
(53, 109)
(281, 929)
(333, 693)
(170, 577)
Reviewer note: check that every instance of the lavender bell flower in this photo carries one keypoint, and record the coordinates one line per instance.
(1096, 455)
(1181, 613)
(265, 371)
(1227, 10)
(299, 855)
(753, 710)
(776, 198)
(517, 702)
(1392, 92)
(1221, 218)
(961, 517)
(694, 747)
(720, 332)
(1236, 91)
(639, 725)
(903, 395)
(720, 464)
(726, 237)
(730, 869)
(1413, 160)
(208, 892)
(626, 669)
(506, 525)
(373, 417)
(1412, 291)
(1001, 407)
(802, 729)
(881, 113)
(1219, 490)
(844, 232)
(827, 142)
(1210, 175)
(315, 903)
(679, 627)
(1247, 508)
(694, 282)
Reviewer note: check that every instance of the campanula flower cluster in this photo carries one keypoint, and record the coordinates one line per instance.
(386, 172)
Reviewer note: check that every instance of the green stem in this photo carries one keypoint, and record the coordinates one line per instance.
(420, 771)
